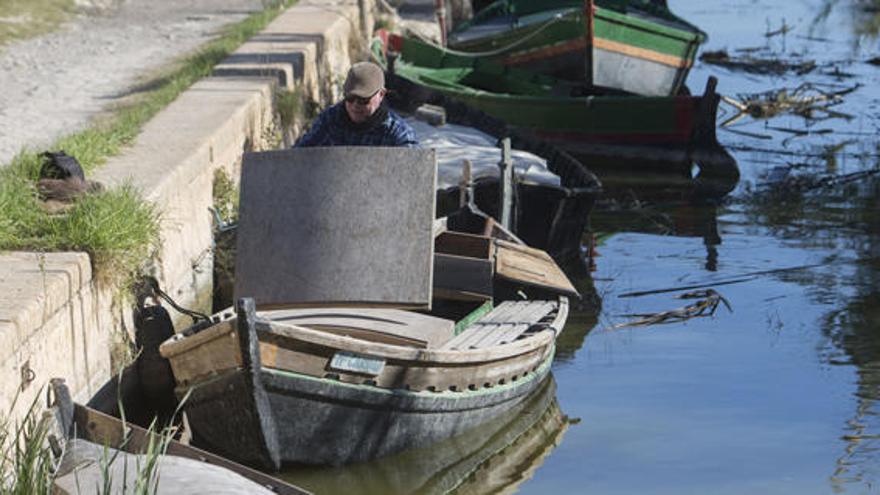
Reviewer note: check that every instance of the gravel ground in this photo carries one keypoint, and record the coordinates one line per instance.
(53, 85)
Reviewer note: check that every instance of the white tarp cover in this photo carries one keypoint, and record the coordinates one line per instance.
(455, 143)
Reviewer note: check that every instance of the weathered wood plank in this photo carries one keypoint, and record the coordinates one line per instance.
(463, 274)
(417, 376)
(212, 350)
(531, 267)
(493, 334)
(464, 244)
(504, 324)
(391, 326)
(521, 311)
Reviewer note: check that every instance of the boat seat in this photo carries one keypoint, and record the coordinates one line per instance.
(390, 326)
(506, 323)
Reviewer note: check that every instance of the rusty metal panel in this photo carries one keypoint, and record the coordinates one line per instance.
(340, 226)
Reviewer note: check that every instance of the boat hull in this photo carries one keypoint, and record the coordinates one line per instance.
(325, 421)
(503, 452)
(635, 53)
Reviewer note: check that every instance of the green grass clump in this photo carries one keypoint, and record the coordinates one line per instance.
(26, 463)
(117, 228)
(20, 214)
(289, 105)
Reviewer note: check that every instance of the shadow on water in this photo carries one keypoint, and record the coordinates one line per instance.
(679, 220)
(495, 457)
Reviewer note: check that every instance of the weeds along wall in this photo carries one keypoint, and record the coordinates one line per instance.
(57, 319)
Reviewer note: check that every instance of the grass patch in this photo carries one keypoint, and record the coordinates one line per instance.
(26, 464)
(117, 228)
(289, 105)
(22, 19)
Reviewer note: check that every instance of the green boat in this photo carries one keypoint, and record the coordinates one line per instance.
(638, 46)
(613, 134)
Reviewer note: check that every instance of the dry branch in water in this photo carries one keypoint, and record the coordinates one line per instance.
(805, 100)
(705, 306)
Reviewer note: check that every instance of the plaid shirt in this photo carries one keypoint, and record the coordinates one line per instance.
(330, 129)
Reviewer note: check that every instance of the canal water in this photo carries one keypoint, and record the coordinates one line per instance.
(777, 394)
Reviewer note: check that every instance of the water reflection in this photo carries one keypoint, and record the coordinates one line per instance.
(679, 220)
(844, 223)
(864, 15)
(854, 331)
(578, 326)
(495, 457)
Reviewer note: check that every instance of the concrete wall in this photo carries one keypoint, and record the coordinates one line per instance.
(55, 320)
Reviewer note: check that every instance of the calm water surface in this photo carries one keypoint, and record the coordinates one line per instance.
(777, 395)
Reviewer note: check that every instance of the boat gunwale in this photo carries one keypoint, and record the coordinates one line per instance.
(639, 19)
(460, 88)
(178, 345)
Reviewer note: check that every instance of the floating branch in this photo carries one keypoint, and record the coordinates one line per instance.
(785, 28)
(806, 183)
(804, 100)
(708, 301)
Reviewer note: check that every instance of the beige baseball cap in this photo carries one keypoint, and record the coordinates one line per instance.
(364, 80)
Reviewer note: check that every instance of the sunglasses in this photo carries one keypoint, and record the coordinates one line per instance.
(359, 100)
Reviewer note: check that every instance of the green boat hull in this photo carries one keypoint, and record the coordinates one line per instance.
(611, 134)
(640, 49)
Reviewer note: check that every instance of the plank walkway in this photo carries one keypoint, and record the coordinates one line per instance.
(504, 324)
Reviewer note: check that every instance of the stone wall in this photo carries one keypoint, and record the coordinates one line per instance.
(55, 320)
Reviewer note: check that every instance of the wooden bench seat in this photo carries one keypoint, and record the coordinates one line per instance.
(390, 326)
(502, 325)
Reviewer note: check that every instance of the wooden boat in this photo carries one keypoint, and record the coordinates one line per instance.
(614, 134)
(338, 366)
(334, 387)
(637, 46)
(98, 450)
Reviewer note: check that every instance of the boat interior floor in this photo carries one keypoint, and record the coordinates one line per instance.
(501, 325)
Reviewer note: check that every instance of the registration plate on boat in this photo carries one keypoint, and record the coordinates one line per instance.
(357, 363)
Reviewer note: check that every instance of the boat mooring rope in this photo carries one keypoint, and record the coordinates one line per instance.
(151, 288)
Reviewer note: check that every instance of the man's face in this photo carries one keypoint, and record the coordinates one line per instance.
(360, 109)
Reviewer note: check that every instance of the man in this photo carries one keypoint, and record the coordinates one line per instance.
(362, 118)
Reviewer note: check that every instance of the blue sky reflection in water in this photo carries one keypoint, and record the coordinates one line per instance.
(778, 396)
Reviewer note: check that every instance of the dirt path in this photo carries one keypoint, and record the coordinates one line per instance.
(53, 85)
